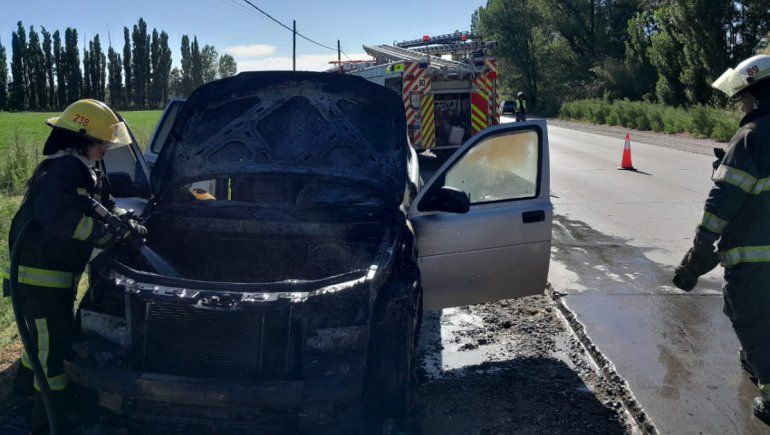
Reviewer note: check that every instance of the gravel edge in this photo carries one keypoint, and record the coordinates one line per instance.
(680, 142)
(633, 409)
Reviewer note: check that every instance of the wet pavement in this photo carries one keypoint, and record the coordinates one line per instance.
(617, 237)
(679, 359)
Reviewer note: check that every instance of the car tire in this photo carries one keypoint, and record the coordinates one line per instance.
(391, 372)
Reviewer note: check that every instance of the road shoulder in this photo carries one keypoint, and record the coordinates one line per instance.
(674, 141)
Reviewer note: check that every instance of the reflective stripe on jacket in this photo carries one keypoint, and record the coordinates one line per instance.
(737, 211)
(520, 105)
(61, 235)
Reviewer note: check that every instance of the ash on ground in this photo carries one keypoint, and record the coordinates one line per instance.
(512, 366)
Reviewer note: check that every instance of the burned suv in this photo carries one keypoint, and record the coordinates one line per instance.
(291, 207)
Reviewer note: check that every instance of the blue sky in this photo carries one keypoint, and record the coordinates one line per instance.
(255, 42)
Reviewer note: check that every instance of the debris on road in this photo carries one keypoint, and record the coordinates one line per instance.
(513, 366)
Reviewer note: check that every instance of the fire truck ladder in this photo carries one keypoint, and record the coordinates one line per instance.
(440, 39)
(390, 53)
(469, 47)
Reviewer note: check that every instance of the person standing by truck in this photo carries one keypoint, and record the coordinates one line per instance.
(520, 104)
(53, 236)
(736, 214)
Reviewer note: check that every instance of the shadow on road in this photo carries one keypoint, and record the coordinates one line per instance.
(611, 265)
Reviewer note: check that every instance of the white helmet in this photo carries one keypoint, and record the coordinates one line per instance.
(734, 81)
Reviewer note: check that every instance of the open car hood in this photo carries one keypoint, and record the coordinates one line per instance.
(330, 125)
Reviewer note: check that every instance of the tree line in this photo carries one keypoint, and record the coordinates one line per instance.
(666, 51)
(47, 74)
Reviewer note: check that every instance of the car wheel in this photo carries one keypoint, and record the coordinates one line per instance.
(392, 364)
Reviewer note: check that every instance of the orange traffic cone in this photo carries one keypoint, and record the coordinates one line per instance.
(626, 163)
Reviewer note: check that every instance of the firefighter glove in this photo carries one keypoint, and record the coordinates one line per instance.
(137, 228)
(699, 260)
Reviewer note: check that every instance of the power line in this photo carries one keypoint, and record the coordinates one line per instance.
(241, 7)
(287, 27)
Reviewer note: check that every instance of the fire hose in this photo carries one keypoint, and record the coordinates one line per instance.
(121, 231)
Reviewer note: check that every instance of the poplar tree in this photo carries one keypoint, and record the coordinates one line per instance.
(186, 81)
(87, 91)
(196, 64)
(49, 69)
(3, 78)
(140, 62)
(154, 96)
(60, 64)
(114, 67)
(18, 86)
(164, 67)
(72, 56)
(98, 65)
(129, 81)
(35, 71)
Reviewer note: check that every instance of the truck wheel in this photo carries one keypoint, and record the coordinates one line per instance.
(391, 368)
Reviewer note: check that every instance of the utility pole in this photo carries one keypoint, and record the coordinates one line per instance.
(294, 47)
(339, 52)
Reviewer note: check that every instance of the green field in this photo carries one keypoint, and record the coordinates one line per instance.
(30, 128)
(21, 141)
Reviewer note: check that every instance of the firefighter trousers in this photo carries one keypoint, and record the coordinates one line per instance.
(747, 304)
(49, 315)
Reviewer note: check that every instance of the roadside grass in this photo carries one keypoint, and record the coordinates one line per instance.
(8, 333)
(21, 141)
(699, 121)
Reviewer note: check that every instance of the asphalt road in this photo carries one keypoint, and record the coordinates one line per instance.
(617, 236)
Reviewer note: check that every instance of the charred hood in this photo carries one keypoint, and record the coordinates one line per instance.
(330, 125)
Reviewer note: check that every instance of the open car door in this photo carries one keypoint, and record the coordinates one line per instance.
(496, 245)
(162, 130)
(129, 170)
(128, 174)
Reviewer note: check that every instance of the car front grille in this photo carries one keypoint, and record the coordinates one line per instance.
(245, 344)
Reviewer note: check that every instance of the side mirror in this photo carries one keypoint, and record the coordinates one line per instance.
(451, 200)
(123, 186)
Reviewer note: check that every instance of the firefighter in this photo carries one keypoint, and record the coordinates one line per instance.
(60, 235)
(520, 104)
(736, 214)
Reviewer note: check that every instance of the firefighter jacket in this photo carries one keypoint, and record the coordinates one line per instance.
(520, 105)
(63, 234)
(737, 211)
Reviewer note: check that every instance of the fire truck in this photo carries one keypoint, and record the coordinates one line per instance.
(448, 85)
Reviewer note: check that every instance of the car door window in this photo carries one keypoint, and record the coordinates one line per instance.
(164, 126)
(499, 168)
(127, 171)
(122, 160)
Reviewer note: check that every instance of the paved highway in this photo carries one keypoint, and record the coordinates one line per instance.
(617, 236)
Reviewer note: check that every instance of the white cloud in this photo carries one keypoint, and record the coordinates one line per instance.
(251, 51)
(305, 62)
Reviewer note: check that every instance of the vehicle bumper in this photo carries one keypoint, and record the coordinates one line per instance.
(218, 402)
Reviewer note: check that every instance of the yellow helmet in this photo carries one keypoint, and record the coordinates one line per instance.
(93, 119)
